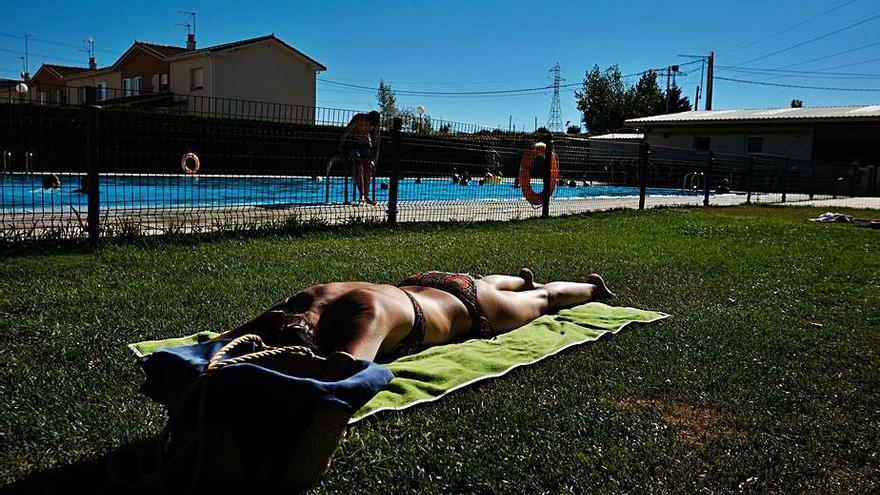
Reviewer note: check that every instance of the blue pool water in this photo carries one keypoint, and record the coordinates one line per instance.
(22, 192)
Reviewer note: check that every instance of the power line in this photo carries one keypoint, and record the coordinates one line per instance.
(32, 54)
(762, 83)
(830, 56)
(851, 64)
(53, 42)
(439, 93)
(757, 70)
(811, 40)
(789, 28)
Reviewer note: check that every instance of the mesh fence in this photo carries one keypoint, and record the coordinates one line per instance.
(159, 172)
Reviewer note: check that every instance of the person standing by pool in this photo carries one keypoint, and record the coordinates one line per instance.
(360, 145)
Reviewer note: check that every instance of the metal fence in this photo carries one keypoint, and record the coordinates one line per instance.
(94, 171)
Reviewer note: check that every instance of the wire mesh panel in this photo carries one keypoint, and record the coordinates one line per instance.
(462, 177)
(169, 163)
(596, 175)
(41, 194)
(161, 174)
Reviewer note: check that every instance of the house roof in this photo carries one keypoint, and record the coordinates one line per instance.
(762, 116)
(620, 135)
(249, 41)
(171, 52)
(64, 70)
(163, 50)
(9, 83)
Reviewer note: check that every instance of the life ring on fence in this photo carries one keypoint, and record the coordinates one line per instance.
(184, 163)
(525, 174)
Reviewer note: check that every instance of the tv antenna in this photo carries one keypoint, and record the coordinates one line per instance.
(190, 26)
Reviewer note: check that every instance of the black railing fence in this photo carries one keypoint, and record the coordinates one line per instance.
(169, 103)
(109, 169)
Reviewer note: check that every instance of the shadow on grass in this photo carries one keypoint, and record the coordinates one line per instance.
(94, 475)
(126, 470)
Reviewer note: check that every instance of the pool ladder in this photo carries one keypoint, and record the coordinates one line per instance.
(692, 182)
(347, 172)
(7, 162)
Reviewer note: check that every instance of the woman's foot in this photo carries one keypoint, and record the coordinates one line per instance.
(602, 291)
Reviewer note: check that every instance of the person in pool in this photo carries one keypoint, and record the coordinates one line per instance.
(360, 144)
(380, 322)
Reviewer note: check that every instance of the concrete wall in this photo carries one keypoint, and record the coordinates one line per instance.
(112, 79)
(266, 72)
(180, 76)
(141, 63)
(795, 142)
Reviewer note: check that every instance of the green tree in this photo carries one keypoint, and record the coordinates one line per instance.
(603, 100)
(645, 98)
(797, 104)
(387, 102)
(573, 129)
(677, 102)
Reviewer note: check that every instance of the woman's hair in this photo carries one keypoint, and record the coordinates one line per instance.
(299, 335)
(374, 117)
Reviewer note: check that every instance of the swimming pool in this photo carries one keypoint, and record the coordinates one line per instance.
(23, 192)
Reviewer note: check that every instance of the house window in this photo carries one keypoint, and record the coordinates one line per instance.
(154, 83)
(755, 144)
(197, 78)
(102, 91)
(137, 85)
(163, 82)
(42, 97)
(126, 87)
(702, 143)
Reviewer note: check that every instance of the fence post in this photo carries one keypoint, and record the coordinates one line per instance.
(707, 177)
(785, 179)
(92, 144)
(750, 180)
(394, 172)
(548, 166)
(644, 166)
(812, 179)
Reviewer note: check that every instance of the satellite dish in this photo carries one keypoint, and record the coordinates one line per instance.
(420, 109)
(21, 88)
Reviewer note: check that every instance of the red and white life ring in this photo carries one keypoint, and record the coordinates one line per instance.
(525, 174)
(185, 166)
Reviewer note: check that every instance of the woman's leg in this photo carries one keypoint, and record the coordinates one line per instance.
(507, 310)
(524, 281)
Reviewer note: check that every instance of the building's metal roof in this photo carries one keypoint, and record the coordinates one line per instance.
(620, 135)
(764, 115)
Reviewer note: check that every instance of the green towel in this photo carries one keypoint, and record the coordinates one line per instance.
(439, 370)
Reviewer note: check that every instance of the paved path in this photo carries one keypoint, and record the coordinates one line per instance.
(159, 221)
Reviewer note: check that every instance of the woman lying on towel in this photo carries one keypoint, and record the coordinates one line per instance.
(379, 322)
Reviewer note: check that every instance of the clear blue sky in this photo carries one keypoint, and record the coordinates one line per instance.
(491, 45)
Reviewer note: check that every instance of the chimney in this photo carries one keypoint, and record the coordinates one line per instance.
(190, 41)
(92, 63)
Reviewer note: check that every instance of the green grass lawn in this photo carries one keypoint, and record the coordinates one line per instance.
(765, 378)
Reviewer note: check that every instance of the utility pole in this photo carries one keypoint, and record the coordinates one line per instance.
(710, 75)
(668, 77)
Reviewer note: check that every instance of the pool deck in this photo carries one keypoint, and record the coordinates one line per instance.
(191, 220)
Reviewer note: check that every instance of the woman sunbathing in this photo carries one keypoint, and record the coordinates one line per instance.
(382, 322)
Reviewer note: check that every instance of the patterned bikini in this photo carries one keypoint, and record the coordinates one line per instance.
(460, 285)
